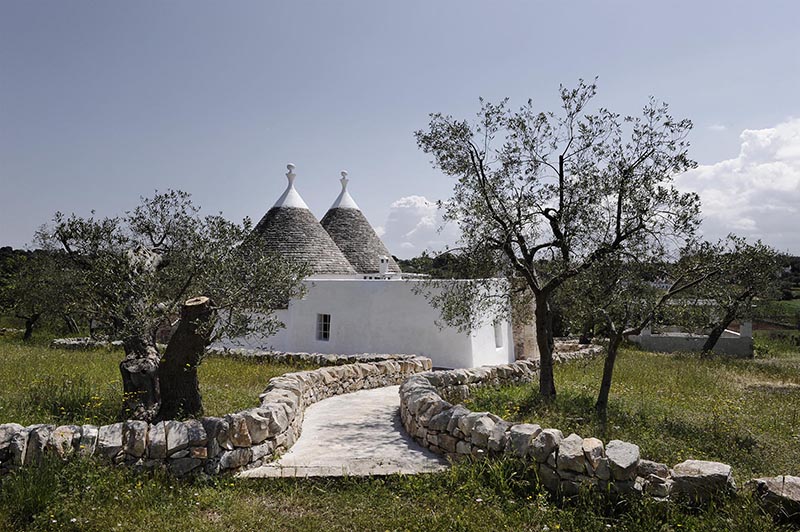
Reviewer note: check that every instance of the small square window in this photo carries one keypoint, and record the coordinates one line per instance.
(323, 327)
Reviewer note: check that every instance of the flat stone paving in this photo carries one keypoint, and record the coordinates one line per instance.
(355, 434)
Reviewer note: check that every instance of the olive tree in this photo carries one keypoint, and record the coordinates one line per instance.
(164, 264)
(547, 195)
(624, 293)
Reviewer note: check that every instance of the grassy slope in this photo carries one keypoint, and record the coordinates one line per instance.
(742, 412)
(43, 385)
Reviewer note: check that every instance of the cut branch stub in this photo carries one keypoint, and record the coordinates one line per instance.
(178, 369)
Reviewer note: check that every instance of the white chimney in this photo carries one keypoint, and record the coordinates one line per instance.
(384, 265)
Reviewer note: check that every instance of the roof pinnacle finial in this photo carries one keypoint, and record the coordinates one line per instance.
(344, 179)
(290, 175)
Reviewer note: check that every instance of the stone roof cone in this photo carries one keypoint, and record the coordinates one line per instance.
(351, 231)
(289, 228)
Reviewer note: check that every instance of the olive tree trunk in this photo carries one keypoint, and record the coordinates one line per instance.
(180, 389)
(544, 342)
(140, 384)
(716, 332)
(601, 406)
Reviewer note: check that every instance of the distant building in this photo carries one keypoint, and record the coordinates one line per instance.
(357, 299)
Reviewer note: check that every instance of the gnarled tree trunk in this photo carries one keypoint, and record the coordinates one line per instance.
(180, 390)
(140, 383)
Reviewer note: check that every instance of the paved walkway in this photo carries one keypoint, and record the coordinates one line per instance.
(355, 434)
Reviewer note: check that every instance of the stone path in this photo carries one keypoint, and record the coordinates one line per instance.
(355, 434)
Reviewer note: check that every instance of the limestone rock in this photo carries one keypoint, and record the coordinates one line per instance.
(184, 466)
(38, 442)
(197, 432)
(648, 467)
(593, 450)
(235, 459)
(134, 438)
(522, 436)
(623, 457)
(157, 441)
(88, 442)
(657, 486)
(257, 426)
(780, 495)
(177, 436)
(466, 423)
(700, 480)
(109, 440)
(63, 440)
(481, 431)
(570, 454)
(545, 443)
(18, 447)
(238, 434)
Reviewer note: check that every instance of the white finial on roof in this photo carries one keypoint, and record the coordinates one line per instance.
(290, 197)
(344, 201)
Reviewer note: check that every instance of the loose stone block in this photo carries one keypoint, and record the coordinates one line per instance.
(657, 486)
(780, 495)
(549, 477)
(184, 466)
(700, 480)
(197, 432)
(18, 447)
(134, 438)
(63, 439)
(623, 457)
(157, 442)
(236, 458)
(570, 454)
(38, 441)
(593, 450)
(522, 436)
(545, 443)
(88, 441)
(648, 467)
(481, 430)
(257, 426)
(109, 441)
(238, 434)
(466, 423)
(177, 436)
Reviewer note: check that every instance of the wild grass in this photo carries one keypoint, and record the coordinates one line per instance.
(675, 407)
(43, 385)
(489, 495)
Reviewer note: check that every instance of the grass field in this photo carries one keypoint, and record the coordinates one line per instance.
(676, 406)
(488, 495)
(43, 385)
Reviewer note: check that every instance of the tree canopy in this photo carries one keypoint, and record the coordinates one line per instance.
(545, 196)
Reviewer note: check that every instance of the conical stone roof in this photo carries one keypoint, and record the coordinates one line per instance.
(351, 231)
(289, 228)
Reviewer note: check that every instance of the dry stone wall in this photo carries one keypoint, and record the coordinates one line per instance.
(240, 440)
(564, 463)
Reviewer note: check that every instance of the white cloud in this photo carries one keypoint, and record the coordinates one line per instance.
(413, 225)
(757, 193)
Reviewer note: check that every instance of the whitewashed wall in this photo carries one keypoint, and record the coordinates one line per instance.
(374, 316)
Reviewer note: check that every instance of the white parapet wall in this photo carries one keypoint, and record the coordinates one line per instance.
(731, 343)
(383, 316)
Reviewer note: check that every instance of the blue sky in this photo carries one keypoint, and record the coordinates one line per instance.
(101, 102)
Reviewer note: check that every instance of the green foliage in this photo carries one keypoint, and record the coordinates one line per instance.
(134, 272)
(675, 407)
